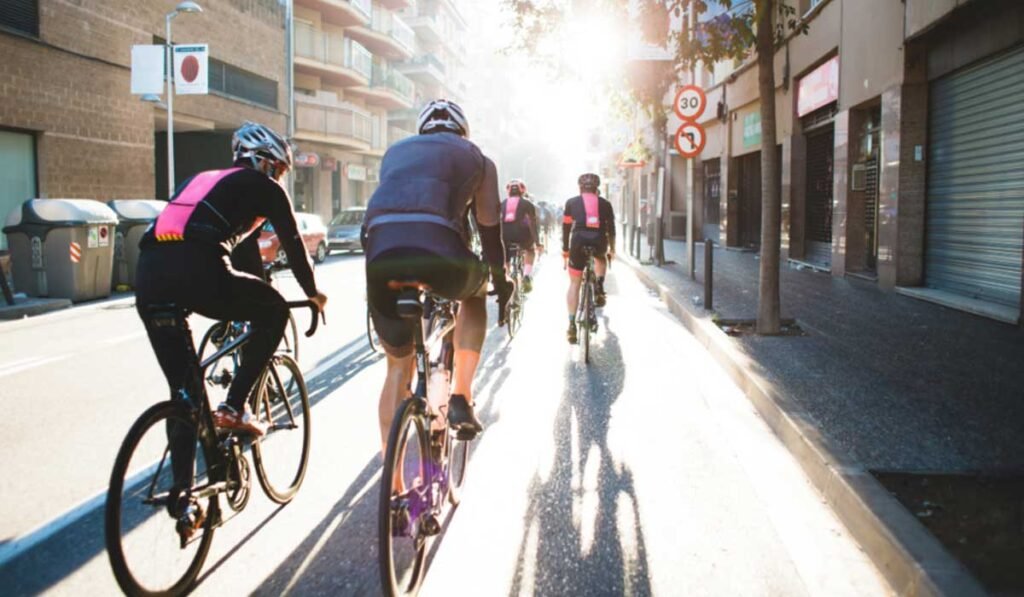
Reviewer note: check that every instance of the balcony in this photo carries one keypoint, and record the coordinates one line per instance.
(386, 36)
(344, 13)
(388, 88)
(409, 115)
(427, 69)
(323, 119)
(396, 4)
(331, 57)
(396, 134)
(427, 24)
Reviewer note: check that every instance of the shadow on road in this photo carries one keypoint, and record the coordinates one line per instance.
(582, 533)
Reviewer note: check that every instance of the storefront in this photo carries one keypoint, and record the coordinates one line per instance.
(817, 94)
(975, 200)
(17, 171)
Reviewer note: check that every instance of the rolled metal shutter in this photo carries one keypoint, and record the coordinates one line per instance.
(975, 211)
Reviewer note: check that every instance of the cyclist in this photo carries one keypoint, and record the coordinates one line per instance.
(588, 221)
(544, 219)
(417, 229)
(186, 260)
(519, 226)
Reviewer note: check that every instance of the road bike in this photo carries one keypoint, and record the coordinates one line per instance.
(425, 461)
(163, 502)
(372, 338)
(517, 304)
(586, 309)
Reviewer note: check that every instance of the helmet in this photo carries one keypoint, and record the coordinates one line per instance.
(518, 184)
(589, 181)
(442, 113)
(255, 141)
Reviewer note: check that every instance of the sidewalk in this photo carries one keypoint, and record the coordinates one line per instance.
(906, 415)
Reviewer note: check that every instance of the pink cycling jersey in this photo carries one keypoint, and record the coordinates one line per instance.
(170, 225)
(591, 206)
(511, 205)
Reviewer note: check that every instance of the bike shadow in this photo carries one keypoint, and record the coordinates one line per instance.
(582, 533)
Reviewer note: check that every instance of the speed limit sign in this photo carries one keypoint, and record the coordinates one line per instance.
(690, 103)
(690, 139)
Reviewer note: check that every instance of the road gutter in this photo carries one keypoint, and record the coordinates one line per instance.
(910, 558)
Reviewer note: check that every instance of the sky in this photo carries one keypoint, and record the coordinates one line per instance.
(534, 123)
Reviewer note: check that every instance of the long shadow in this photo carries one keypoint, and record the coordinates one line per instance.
(47, 563)
(574, 539)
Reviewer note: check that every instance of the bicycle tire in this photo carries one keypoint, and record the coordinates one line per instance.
(458, 460)
(159, 414)
(409, 423)
(288, 415)
(290, 341)
(587, 297)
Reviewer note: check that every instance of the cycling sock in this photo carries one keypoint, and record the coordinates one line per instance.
(600, 283)
(572, 319)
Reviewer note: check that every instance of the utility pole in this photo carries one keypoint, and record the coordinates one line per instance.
(289, 67)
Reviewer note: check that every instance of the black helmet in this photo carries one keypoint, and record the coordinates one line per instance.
(589, 181)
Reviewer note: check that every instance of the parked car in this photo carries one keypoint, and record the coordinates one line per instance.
(314, 236)
(343, 233)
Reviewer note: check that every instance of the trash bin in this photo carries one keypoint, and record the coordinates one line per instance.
(133, 216)
(62, 248)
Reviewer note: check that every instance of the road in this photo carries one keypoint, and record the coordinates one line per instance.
(646, 473)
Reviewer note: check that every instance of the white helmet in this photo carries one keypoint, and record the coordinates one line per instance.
(258, 142)
(442, 113)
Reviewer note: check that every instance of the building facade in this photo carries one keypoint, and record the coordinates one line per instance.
(69, 125)
(902, 153)
(363, 68)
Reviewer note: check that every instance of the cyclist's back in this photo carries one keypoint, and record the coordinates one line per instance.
(588, 221)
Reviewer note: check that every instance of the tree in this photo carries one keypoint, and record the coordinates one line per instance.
(722, 29)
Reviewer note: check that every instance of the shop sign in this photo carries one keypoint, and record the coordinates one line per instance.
(752, 129)
(818, 88)
(307, 160)
(356, 172)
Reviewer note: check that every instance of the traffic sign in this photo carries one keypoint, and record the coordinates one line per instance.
(690, 103)
(690, 139)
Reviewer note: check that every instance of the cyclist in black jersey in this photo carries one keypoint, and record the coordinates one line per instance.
(186, 259)
(519, 226)
(417, 229)
(588, 220)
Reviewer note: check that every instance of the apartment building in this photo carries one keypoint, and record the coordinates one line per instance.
(69, 125)
(901, 149)
(362, 70)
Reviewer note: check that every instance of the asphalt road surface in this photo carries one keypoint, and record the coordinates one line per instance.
(645, 473)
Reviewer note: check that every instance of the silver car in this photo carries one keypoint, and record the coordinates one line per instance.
(343, 231)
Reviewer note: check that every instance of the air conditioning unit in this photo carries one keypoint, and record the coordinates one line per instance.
(859, 177)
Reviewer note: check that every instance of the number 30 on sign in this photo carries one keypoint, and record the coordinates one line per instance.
(690, 103)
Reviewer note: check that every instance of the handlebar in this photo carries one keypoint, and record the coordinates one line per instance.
(314, 311)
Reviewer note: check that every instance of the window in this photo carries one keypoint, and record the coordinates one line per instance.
(20, 15)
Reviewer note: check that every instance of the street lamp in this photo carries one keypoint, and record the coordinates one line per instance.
(187, 6)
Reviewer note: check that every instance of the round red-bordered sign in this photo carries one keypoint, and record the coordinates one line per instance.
(690, 139)
(690, 103)
(189, 68)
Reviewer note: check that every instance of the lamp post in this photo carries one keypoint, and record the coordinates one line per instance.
(187, 6)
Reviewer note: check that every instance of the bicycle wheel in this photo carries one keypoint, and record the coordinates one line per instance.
(587, 308)
(144, 502)
(404, 501)
(458, 459)
(282, 404)
(371, 333)
(290, 341)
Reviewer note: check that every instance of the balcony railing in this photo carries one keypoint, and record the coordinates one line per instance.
(385, 76)
(364, 6)
(430, 60)
(389, 24)
(332, 48)
(332, 119)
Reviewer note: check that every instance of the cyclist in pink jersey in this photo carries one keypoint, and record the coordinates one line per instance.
(519, 227)
(588, 220)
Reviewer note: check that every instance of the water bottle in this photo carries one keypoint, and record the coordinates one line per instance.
(437, 398)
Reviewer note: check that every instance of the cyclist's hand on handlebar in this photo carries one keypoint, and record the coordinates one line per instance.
(320, 300)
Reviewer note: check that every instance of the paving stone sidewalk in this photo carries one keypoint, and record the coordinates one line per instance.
(897, 383)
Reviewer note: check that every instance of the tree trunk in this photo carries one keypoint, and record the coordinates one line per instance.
(771, 211)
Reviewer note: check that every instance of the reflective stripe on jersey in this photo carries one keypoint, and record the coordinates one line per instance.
(170, 224)
(592, 208)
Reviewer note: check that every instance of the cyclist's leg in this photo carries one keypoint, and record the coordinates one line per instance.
(577, 261)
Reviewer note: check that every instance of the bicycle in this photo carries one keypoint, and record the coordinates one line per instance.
(372, 338)
(174, 459)
(425, 461)
(517, 304)
(586, 310)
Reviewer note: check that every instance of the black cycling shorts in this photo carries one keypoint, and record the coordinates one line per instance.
(577, 258)
(517, 235)
(422, 252)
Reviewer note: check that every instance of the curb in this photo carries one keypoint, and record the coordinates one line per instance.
(31, 307)
(66, 311)
(912, 560)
